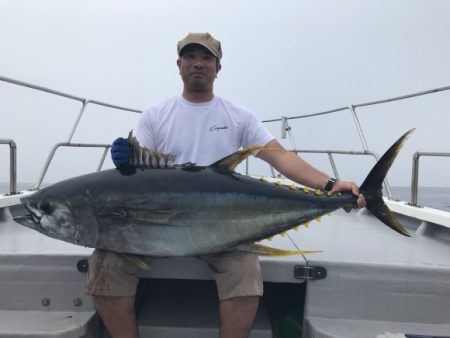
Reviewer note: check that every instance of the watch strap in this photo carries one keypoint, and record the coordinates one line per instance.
(330, 183)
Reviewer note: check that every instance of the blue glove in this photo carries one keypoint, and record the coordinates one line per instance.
(120, 152)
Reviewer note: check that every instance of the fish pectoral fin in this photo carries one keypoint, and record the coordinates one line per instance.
(263, 250)
(108, 219)
(232, 161)
(161, 216)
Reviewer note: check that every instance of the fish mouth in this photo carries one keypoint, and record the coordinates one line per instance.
(26, 215)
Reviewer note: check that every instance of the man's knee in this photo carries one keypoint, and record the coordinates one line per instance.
(246, 303)
(111, 274)
(237, 274)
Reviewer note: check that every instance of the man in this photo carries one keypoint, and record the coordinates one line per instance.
(199, 127)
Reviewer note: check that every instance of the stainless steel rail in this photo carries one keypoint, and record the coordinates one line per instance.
(352, 108)
(331, 159)
(84, 103)
(12, 165)
(284, 123)
(415, 171)
(287, 130)
(75, 145)
(397, 98)
(346, 152)
(331, 152)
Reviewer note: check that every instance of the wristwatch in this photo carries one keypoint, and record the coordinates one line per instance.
(330, 183)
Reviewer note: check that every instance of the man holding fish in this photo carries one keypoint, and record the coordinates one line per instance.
(201, 128)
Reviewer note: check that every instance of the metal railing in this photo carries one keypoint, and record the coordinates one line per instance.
(84, 103)
(285, 129)
(415, 171)
(332, 162)
(12, 165)
(345, 152)
(73, 145)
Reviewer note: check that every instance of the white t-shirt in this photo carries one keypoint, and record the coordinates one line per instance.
(200, 133)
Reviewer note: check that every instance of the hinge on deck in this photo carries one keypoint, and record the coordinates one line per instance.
(309, 272)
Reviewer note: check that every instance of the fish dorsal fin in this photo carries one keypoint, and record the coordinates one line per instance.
(232, 161)
(147, 158)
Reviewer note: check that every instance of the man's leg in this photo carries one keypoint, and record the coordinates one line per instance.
(239, 284)
(118, 315)
(237, 316)
(112, 282)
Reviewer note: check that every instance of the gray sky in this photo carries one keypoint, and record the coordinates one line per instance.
(281, 58)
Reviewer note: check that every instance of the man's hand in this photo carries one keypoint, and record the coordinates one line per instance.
(120, 152)
(353, 188)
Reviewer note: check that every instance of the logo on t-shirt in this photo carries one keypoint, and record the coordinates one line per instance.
(217, 128)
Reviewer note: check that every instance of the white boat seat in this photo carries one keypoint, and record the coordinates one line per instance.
(319, 327)
(36, 324)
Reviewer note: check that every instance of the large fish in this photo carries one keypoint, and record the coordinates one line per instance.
(188, 210)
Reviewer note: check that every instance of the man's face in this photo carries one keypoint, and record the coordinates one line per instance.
(198, 68)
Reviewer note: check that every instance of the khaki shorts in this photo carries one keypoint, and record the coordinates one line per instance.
(112, 274)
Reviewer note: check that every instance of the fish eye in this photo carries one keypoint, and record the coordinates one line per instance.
(46, 206)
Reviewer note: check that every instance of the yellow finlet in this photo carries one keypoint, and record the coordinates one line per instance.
(296, 228)
(283, 234)
(318, 192)
(328, 214)
(293, 187)
(339, 194)
(318, 219)
(306, 224)
(269, 238)
(279, 183)
(306, 190)
(263, 250)
(262, 179)
(329, 193)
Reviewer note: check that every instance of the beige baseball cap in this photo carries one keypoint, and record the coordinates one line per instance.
(204, 39)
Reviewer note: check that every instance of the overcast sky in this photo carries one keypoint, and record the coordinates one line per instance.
(281, 58)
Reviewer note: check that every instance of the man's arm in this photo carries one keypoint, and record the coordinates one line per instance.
(300, 171)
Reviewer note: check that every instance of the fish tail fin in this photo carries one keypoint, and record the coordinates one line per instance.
(372, 186)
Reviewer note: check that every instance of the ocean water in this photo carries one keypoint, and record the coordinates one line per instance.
(438, 198)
